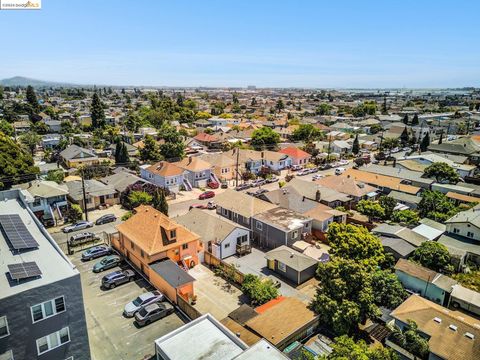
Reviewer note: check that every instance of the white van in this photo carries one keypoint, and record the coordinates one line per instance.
(339, 171)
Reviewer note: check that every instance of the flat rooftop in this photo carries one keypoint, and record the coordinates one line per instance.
(51, 261)
(204, 338)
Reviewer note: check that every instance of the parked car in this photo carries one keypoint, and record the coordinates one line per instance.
(243, 186)
(257, 192)
(317, 177)
(96, 252)
(258, 182)
(303, 172)
(142, 300)
(313, 170)
(213, 184)
(342, 162)
(206, 195)
(79, 225)
(209, 206)
(339, 171)
(325, 166)
(106, 219)
(82, 238)
(272, 179)
(106, 263)
(296, 167)
(395, 150)
(153, 312)
(407, 149)
(116, 278)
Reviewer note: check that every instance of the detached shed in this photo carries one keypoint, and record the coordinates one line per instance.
(291, 264)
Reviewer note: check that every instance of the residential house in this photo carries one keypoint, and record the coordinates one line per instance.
(411, 201)
(428, 283)
(131, 150)
(220, 237)
(424, 160)
(464, 146)
(122, 180)
(54, 126)
(399, 248)
(291, 264)
(210, 141)
(278, 226)
(451, 335)
(223, 166)
(400, 232)
(84, 120)
(75, 156)
(196, 171)
(299, 157)
(407, 177)
(283, 321)
(318, 193)
(254, 161)
(341, 147)
(240, 207)
(161, 249)
(96, 194)
(348, 185)
(46, 199)
(165, 175)
(51, 141)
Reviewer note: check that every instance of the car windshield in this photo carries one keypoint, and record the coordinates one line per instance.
(137, 301)
(104, 261)
(143, 312)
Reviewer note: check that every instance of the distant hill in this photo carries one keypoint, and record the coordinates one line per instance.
(24, 82)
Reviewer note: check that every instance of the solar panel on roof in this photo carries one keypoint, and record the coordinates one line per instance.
(24, 270)
(16, 232)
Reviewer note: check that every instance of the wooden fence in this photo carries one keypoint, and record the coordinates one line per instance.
(228, 269)
(188, 309)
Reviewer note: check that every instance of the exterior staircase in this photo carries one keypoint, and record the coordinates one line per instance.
(187, 184)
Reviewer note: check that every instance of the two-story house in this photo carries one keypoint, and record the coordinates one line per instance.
(196, 171)
(297, 156)
(161, 249)
(164, 174)
(223, 166)
(75, 156)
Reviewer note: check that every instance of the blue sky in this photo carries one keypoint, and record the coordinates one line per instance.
(282, 43)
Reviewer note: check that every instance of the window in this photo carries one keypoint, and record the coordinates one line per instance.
(37, 202)
(53, 340)
(281, 266)
(456, 231)
(224, 212)
(142, 254)
(470, 234)
(227, 246)
(184, 246)
(294, 234)
(47, 309)
(4, 327)
(242, 239)
(259, 225)
(7, 355)
(173, 234)
(132, 245)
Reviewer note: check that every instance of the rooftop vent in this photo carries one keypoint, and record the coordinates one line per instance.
(437, 319)
(469, 335)
(452, 327)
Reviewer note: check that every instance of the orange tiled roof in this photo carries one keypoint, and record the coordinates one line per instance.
(346, 185)
(294, 152)
(149, 229)
(193, 163)
(204, 137)
(164, 168)
(462, 197)
(262, 308)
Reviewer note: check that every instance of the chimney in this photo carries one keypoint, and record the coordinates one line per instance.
(318, 195)
(303, 198)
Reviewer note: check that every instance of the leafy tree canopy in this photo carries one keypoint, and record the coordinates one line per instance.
(372, 209)
(345, 348)
(433, 255)
(265, 138)
(408, 217)
(307, 133)
(442, 172)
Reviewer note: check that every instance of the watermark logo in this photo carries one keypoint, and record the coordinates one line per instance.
(20, 4)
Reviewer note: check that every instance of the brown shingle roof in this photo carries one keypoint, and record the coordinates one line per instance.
(164, 168)
(149, 229)
(415, 270)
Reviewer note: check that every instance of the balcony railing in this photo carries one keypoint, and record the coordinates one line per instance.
(244, 249)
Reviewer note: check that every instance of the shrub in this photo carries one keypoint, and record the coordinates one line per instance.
(259, 291)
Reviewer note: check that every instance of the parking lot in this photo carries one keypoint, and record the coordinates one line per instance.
(111, 335)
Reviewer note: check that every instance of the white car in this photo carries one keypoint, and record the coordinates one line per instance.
(141, 301)
(317, 177)
(79, 225)
(395, 150)
(343, 162)
(340, 171)
(303, 172)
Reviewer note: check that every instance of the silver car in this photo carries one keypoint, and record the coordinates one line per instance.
(80, 225)
(143, 300)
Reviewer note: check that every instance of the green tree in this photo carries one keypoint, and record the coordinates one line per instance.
(56, 175)
(159, 202)
(415, 121)
(74, 213)
(436, 206)
(442, 172)
(121, 153)
(388, 290)
(30, 140)
(405, 119)
(279, 106)
(259, 291)
(32, 98)
(404, 138)
(6, 128)
(425, 143)
(345, 348)
(97, 112)
(411, 340)
(344, 296)
(389, 143)
(137, 198)
(307, 133)
(375, 128)
(355, 243)
(408, 217)
(388, 203)
(433, 255)
(384, 106)
(441, 138)
(355, 146)
(323, 109)
(265, 137)
(371, 209)
(150, 150)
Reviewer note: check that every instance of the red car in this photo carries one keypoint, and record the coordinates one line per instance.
(206, 195)
(213, 185)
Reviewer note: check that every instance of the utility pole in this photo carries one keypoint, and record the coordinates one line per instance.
(85, 209)
(236, 166)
